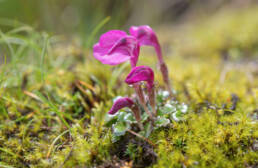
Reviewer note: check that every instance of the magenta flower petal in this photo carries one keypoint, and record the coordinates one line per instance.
(141, 73)
(109, 38)
(121, 103)
(145, 35)
(115, 47)
(101, 54)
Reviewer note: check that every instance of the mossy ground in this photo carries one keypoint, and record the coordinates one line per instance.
(54, 96)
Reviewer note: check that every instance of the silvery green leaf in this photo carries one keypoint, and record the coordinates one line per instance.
(179, 114)
(159, 99)
(120, 128)
(167, 109)
(165, 94)
(183, 108)
(161, 96)
(110, 119)
(145, 116)
(147, 130)
(174, 91)
(115, 138)
(129, 118)
(121, 116)
(173, 103)
(162, 122)
(175, 117)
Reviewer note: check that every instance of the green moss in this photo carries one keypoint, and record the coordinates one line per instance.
(79, 91)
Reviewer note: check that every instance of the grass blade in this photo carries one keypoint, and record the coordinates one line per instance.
(55, 140)
(43, 53)
(96, 30)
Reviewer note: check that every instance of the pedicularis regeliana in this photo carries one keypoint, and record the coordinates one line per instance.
(158, 109)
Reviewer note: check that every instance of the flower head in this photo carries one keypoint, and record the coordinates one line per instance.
(141, 73)
(121, 103)
(145, 35)
(115, 47)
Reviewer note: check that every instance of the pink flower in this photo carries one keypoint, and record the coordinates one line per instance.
(115, 47)
(146, 36)
(144, 73)
(121, 103)
(141, 73)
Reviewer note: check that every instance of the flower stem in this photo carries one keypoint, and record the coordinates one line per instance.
(142, 137)
(139, 93)
(137, 115)
(163, 69)
(151, 94)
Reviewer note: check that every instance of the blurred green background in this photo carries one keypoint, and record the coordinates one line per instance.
(82, 16)
(222, 20)
(64, 16)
